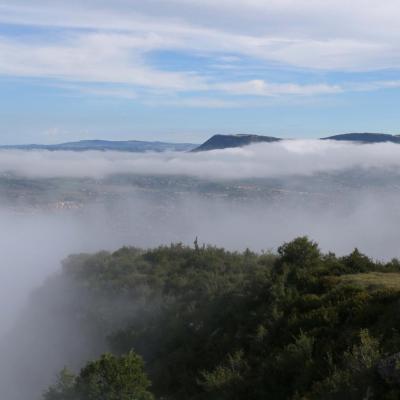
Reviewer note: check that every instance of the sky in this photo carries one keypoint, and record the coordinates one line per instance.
(182, 70)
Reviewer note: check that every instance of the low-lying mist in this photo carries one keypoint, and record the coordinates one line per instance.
(285, 158)
(363, 213)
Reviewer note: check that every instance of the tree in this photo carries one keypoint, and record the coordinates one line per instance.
(64, 389)
(356, 377)
(114, 378)
(301, 252)
(108, 378)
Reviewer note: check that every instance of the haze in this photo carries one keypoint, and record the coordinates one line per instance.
(255, 197)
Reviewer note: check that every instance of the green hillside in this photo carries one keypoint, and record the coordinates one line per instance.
(206, 323)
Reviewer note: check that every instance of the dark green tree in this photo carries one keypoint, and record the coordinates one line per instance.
(108, 378)
(300, 251)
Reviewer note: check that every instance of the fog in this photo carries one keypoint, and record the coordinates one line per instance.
(288, 157)
(33, 242)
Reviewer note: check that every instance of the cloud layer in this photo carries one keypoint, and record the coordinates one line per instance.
(285, 158)
(98, 42)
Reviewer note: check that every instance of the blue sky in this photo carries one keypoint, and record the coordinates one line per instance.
(182, 70)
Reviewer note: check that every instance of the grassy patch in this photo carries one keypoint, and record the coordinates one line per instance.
(372, 280)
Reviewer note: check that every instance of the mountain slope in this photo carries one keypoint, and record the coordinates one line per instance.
(365, 137)
(103, 145)
(228, 141)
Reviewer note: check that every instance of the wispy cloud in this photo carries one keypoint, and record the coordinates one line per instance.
(259, 87)
(100, 43)
(305, 33)
(92, 58)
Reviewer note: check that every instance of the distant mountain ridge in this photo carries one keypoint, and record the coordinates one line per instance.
(216, 142)
(219, 142)
(104, 145)
(365, 137)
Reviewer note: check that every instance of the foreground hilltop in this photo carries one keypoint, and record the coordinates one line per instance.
(217, 142)
(211, 324)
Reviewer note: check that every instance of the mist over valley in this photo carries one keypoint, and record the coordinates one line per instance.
(256, 197)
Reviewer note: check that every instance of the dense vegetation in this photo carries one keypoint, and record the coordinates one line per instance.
(213, 324)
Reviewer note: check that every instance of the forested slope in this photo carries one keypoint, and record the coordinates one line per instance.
(205, 323)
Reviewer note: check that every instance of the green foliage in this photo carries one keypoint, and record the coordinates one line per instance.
(64, 389)
(213, 324)
(108, 378)
(114, 378)
(301, 252)
(226, 380)
(357, 262)
(356, 377)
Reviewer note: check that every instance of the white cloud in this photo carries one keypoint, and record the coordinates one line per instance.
(327, 34)
(93, 58)
(312, 34)
(118, 58)
(259, 87)
(286, 158)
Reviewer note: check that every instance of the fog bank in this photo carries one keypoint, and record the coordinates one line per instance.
(32, 246)
(288, 157)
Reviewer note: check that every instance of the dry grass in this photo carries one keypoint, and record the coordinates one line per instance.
(389, 280)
